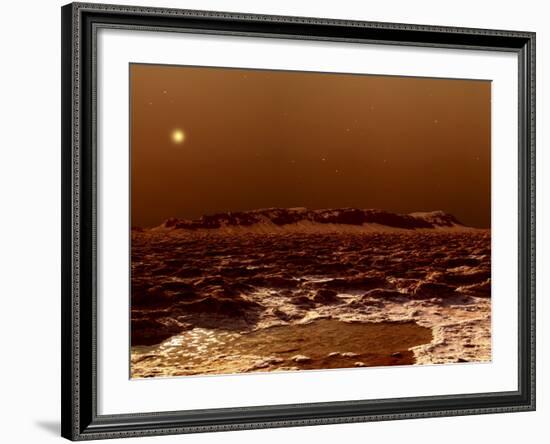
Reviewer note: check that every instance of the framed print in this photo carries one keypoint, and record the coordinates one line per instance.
(281, 221)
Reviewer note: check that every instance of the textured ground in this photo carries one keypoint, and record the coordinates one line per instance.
(218, 303)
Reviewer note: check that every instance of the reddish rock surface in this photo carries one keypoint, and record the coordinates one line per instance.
(193, 275)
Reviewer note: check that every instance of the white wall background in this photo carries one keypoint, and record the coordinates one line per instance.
(30, 219)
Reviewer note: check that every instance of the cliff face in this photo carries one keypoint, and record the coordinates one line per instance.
(279, 218)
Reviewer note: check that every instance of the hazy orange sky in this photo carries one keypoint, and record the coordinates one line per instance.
(261, 138)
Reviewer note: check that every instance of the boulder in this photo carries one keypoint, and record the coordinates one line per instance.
(429, 290)
(147, 331)
(482, 290)
(235, 306)
(326, 296)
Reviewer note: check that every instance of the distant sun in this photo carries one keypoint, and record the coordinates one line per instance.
(178, 136)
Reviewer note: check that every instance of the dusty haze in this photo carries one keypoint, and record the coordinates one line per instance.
(260, 138)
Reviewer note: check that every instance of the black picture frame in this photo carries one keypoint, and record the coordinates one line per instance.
(80, 420)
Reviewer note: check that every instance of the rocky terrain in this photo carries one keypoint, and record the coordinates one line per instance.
(302, 219)
(291, 289)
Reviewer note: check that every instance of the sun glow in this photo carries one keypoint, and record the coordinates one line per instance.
(178, 136)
